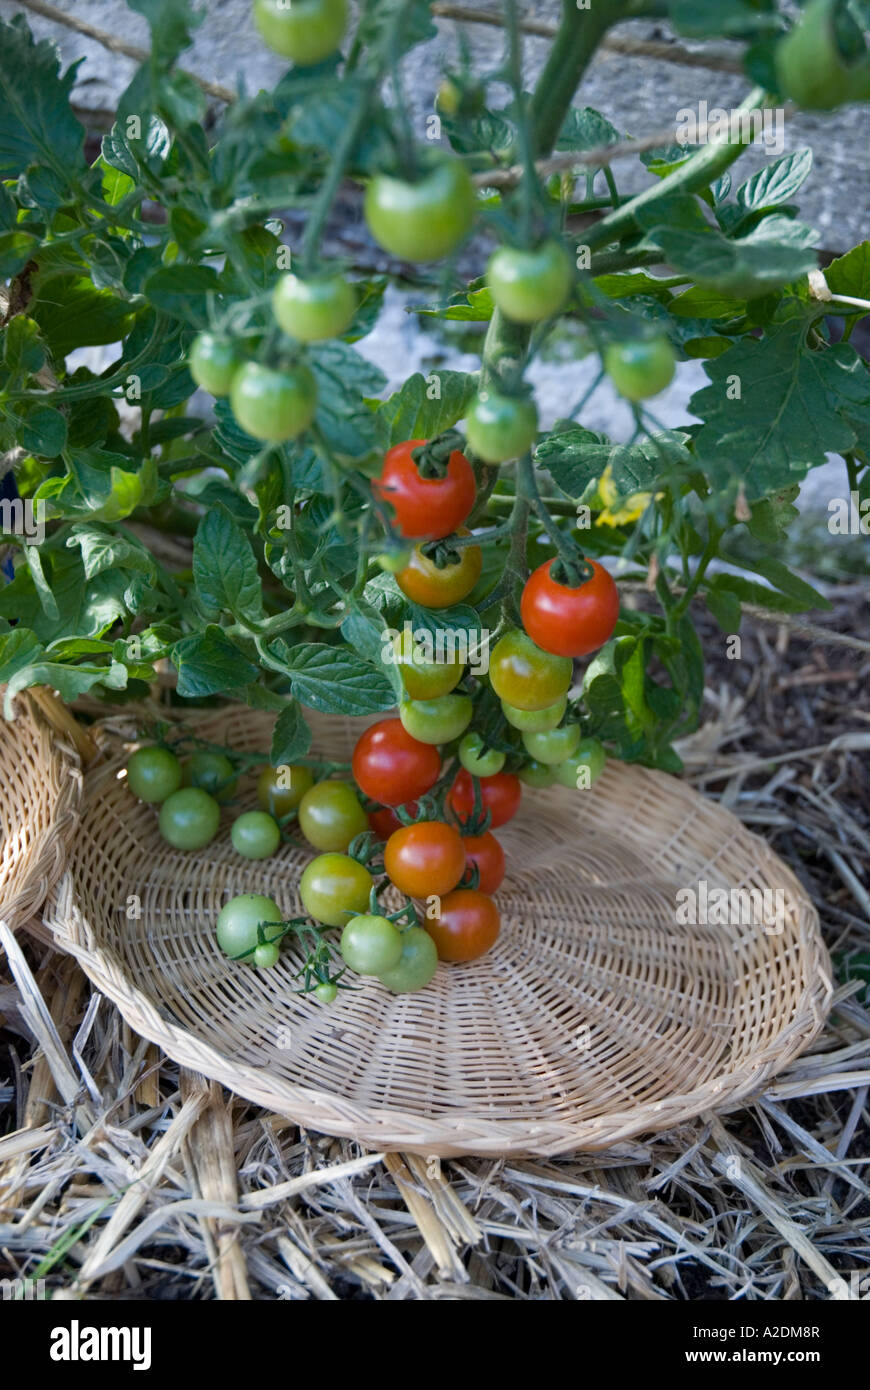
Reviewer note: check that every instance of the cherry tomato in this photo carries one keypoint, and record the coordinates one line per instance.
(553, 745)
(333, 886)
(422, 221)
(255, 835)
(486, 852)
(266, 956)
(305, 31)
(274, 405)
(213, 772)
(213, 362)
(384, 820)
(189, 818)
(423, 679)
(466, 926)
(533, 721)
(640, 369)
(153, 774)
(326, 992)
(312, 310)
(417, 964)
(535, 774)
(425, 858)
(423, 582)
(528, 286)
(391, 766)
(280, 789)
(500, 795)
(479, 759)
(238, 921)
(331, 815)
(370, 944)
(525, 676)
(426, 508)
(500, 427)
(812, 70)
(567, 621)
(436, 721)
(584, 767)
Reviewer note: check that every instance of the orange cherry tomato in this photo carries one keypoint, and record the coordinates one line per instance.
(466, 926)
(424, 859)
(423, 582)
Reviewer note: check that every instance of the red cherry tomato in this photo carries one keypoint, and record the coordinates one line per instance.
(426, 508)
(566, 621)
(486, 852)
(425, 858)
(392, 767)
(384, 820)
(466, 926)
(499, 794)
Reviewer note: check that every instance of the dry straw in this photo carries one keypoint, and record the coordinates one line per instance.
(596, 1017)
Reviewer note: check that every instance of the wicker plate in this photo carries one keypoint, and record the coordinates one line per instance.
(41, 791)
(595, 1017)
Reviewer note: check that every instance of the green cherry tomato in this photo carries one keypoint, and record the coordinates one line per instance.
(811, 67)
(213, 363)
(255, 835)
(153, 774)
(422, 221)
(528, 286)
(266, 956)
(238, 921)
(331, 815)
(584, 767)
(274, 405)
(642, 369)
(478, 759)
(332, 887)
(422, 679)
(553, 745)
(537, 774)
(501, 427)
(436, 721)
(280, 789)
(370, 944)
(305, 31)
(312, 310)
(189, 818)
(417, 964)
(212, 772)
(526, 677)
(326, 992)
(534, 721)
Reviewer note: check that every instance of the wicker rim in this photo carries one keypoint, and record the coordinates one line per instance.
(42, 788)
(391, 1127)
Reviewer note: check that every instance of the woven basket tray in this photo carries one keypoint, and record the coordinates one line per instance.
(41, 791)
(595, 1017)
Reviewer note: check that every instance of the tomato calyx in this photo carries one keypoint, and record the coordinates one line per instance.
(447, 551)
(571, 574)
(433, 457)
(479, 818)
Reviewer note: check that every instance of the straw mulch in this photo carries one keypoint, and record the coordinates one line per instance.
(123, 1178)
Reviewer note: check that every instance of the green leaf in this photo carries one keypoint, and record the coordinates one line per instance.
(36, 119)
(85, 608)
(774, 253)
(182, 291)
(380, 28)
(577, 457)
(16, 249)
(72, 313)
(850, 274)
(351, 430)
(477, 306)
(23, 351)
(170, 22)
(103, 550)
(777, 182)
(208, 663)
(426, 406)
(725, 608)
(584, 128)
(779, 575)
(630, 282)
(43, 431)
(730, 19)
(702, 302)
(790, 412)
(291, 737)
(333, 679)
(224, 568)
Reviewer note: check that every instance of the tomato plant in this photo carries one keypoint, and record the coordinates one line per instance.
(252, 540)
